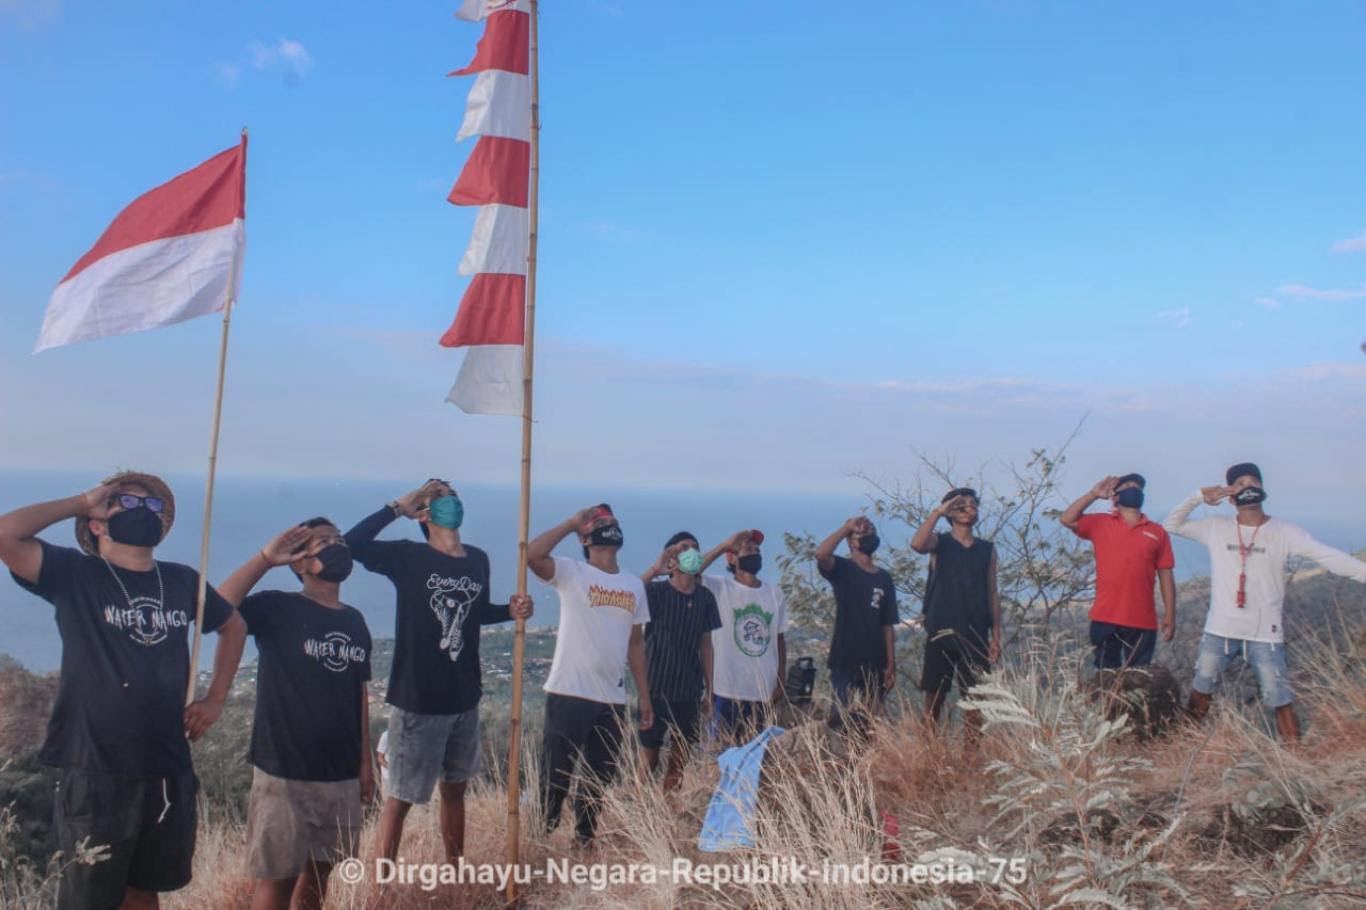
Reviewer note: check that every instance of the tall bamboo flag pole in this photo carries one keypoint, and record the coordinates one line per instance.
(524, 520)
(213, 460)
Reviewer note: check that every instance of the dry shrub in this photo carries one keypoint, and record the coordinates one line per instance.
(1218, 815)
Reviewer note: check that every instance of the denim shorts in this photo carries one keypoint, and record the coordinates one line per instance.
(424, 747)
(1267, 660)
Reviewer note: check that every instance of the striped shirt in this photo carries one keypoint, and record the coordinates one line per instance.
(673, 639)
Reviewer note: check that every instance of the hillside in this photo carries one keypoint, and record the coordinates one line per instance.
(1218, 815)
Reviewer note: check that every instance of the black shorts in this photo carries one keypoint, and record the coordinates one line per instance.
(949, 656)
(148, 826)
(672, 718)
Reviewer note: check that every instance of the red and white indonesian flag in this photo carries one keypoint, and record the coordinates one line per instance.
(491, 321)
(173, 254)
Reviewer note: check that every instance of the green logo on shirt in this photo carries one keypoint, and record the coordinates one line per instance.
(752, 633)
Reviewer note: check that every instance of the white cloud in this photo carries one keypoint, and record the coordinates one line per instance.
(1269, 303)
(1304, 292)
(1326, 372)
(228, 74)
(1179, 318)
(710, 425)
(1351, 244)
(286, 56)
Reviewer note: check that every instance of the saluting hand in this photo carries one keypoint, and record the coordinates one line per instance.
(289, 545)
(736, 540)
(410, 503)
(96, 501)
(1215, 494)
(668, 559)
(200, 716)
(1105, 488)
(520, 607)
(945, 508)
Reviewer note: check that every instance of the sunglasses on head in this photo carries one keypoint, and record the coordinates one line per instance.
(132, 501)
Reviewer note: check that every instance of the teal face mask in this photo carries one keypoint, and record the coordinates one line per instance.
(447, 512)
(690, 562)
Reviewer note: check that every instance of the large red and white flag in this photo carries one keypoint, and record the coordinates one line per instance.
(491, 320)
(476, 10)
(172, 255)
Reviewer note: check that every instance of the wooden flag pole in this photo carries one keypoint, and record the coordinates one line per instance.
(524, 519)
(213, 460)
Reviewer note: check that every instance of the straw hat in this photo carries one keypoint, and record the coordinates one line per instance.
(153, 484)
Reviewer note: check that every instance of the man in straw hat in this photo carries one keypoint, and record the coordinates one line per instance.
(119, 727)
(1247, 555)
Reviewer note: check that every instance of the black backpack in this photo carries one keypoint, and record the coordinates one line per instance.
(801, 681)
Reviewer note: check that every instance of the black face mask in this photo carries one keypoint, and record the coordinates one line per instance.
(139, 527)
(868, 544)
(1249, 496)
(336, 563)
(1129, 498)
(751, 563)
(606, 536)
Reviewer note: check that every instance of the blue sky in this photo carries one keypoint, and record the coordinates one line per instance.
(780, 243)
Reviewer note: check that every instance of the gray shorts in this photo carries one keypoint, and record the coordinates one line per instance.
(425, 747)
(290, 822)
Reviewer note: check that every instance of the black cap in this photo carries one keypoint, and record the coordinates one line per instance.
(958, 491)
(1242, 470)
(1135, 477)
(679, 538)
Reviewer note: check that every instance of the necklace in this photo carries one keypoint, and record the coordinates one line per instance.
(161, 588)
(1244, 550)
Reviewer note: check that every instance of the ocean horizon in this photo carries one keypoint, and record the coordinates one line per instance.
(249, 510)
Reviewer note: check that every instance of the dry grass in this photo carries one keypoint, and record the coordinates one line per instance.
(1218, 815)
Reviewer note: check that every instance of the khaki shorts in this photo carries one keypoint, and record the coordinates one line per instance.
(290, 822)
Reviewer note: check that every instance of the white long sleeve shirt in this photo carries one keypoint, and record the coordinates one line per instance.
(1276, 541)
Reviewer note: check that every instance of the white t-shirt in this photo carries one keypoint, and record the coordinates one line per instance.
(1276, 541)
(745, 648)
(597, 611)
(383, 749)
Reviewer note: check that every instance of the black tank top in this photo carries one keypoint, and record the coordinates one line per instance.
(957, 595)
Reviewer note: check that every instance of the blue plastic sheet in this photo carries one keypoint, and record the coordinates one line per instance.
(730, 815)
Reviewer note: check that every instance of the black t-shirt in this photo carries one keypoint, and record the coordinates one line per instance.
(442, 602)
(125, 663)
(865, 604)
(957, 593)
(310, 679)
(673, 639)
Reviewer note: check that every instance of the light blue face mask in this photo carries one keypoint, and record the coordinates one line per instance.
(447, 512)
(690, 562)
